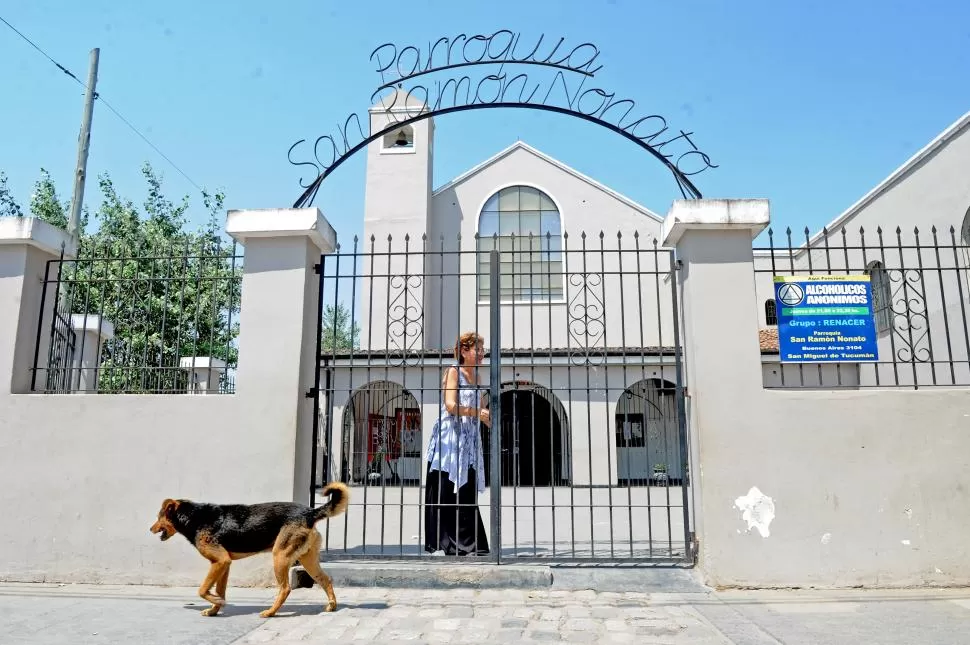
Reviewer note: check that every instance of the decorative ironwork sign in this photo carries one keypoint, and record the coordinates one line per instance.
(537, 74)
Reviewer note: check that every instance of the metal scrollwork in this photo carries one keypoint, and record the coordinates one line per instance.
(586, 319)
(559, 81)
(405, 316)
(910, 323)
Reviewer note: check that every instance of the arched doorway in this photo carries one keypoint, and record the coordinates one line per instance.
(535, 437)
(647, 435)
(381, 436)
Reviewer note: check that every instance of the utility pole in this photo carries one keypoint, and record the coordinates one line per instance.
(83, 143)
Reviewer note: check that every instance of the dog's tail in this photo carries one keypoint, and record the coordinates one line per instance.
(339, 498)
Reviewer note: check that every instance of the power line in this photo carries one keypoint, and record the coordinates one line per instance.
(98, 96)
(32, 44)
(145, 139)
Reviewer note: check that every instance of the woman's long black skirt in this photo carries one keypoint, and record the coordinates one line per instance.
(452, 522)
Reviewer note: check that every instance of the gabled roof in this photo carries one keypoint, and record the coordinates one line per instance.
(927, 152)
(521, 145)
(397, 99)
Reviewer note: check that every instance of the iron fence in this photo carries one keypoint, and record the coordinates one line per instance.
(920, 285)
(149, 319)
(586, 457)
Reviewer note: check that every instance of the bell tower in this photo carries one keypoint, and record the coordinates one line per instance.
(397, 203)
(397, 200)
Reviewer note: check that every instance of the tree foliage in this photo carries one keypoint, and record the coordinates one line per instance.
(8, 205)
(172, 293)
(337, 332)
(45, 204)
(169, 291)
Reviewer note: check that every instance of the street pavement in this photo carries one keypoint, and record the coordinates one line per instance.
(43, 614)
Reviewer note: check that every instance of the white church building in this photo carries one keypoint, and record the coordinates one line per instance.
(588, 347)
(589, 350)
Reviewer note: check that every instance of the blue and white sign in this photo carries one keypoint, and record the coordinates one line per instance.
(825, 319)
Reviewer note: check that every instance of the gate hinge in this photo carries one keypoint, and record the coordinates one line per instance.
(316, 268)
(312, 392)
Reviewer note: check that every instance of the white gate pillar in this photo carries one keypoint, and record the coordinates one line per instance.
(723, 360)
(278, 325)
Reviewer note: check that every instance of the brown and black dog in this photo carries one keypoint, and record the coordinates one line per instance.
(226, 532)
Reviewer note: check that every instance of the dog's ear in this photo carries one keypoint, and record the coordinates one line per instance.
(168, 507)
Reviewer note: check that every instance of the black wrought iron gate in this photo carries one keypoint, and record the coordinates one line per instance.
(587, 457)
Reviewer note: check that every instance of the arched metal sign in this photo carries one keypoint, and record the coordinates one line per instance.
(560, 86)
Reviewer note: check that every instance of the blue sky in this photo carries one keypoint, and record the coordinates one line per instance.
(807, 104)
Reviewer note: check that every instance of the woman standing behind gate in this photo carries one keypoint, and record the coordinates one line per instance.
(456, 465)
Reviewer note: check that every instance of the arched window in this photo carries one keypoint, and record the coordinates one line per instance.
(525, 225)
(965, 229)
(771, 312)
(382, 436)
(881, 295)
(965, 243)
(648, 435)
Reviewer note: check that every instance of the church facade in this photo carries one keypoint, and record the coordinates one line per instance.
(588, 347)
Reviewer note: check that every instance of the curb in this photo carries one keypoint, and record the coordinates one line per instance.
(429, 576)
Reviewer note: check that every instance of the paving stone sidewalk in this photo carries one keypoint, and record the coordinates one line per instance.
(50, 614)
(492, 616)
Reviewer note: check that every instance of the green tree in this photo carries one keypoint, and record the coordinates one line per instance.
(45, 205)
(44, 202)
(169, 291)
(8, 205)
(337, 331)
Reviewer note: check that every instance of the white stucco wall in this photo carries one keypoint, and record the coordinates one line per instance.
(583, 206)
(416, 300)
(815, 488)
(84, 475)
(419, 290)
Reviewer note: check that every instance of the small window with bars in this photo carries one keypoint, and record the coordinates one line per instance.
(881, 296)
(771, 312)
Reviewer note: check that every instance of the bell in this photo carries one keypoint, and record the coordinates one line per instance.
(401, 139)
